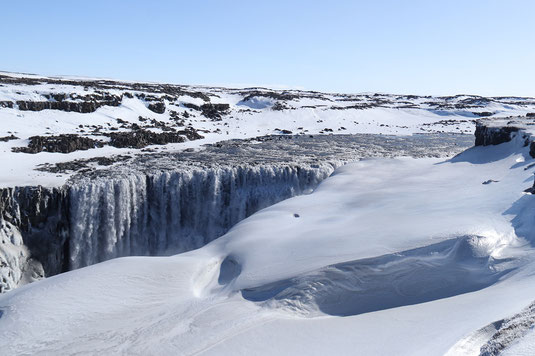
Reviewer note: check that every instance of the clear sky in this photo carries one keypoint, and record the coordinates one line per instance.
(482, 47)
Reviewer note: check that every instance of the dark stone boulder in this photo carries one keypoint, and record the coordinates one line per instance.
(532, 151)
(278, 106)
(483, 114)
(142, 138)
(486, 135)
(214, 111)
(192, 106)
(63, 144)
(190, 133)
(84, 104)
(157, 107)
(283, 96)
(211, 111)
(8, 138)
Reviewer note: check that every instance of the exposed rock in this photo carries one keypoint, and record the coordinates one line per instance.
(486, 135)
(173, 90)
(8, 138)
(190, 133)
(192, 106)
(278, 106)
(158, 107)
(81, 164)
(142, 138)
(214, 111)
(211, 111)
(284, 96)
(532, 149)
(483, 114)
(87, 104)
(63, 143)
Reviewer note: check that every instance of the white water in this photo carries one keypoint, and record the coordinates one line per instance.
(176, 211)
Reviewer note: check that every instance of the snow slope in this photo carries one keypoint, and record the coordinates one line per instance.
(387, 256)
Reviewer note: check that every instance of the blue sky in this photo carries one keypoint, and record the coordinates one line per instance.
(420, 47)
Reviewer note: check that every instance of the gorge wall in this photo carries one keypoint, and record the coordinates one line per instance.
(161, 213)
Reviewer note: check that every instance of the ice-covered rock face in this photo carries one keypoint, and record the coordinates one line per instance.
(16, 266)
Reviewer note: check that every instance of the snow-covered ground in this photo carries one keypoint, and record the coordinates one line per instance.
(386, 257)
(244, 113)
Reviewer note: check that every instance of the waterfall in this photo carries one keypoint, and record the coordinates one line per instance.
(174, 211)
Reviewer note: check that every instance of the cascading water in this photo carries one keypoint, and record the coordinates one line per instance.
(174, 211)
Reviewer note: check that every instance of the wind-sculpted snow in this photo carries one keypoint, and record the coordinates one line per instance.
(410, 277)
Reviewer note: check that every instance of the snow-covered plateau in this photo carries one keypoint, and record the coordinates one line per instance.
(304, 222)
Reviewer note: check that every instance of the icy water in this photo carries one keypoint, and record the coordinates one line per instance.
(303, 149)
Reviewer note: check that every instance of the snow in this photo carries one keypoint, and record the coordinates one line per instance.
(525, 347)
(308, 113)
(387, 256)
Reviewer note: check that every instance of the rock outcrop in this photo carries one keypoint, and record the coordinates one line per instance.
(488, 135)
(62, 143)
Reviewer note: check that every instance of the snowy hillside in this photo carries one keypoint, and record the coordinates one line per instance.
(305, 222)
(106, 118)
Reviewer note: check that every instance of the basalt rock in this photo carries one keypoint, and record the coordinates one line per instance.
(157, 107)
(211, 111)
(42, 217)
(486, 135)
(62, 143)
(88, 104)
(142, 138)
(8, 138)
(214, 111)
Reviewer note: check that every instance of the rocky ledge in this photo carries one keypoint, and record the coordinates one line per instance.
(497, 131)
(139, 138)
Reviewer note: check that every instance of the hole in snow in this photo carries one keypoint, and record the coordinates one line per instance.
(230, 269)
